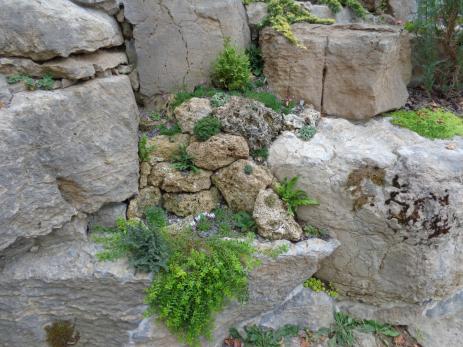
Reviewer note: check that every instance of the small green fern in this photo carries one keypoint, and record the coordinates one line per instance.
(293, 197)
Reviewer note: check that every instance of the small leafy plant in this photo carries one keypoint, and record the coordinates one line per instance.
(219, 99)
(144, 150)
(174, 129)
(260, 154)
(354, 5)
(293, 197)
(257, 336)
(306, 132)
(46, 82)
(318, 286)
(313, 231)
(207, 127)
(182, 161)
(255, 58)
(244, 222)
(248, 169)
(433, 124)
(232, 69)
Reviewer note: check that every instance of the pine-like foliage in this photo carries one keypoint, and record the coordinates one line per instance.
(439, 48)
(292, 196)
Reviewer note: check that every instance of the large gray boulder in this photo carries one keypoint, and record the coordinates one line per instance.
(391, 197)
(367, 63)
(176, 41)
(65, 151)
(42, 30)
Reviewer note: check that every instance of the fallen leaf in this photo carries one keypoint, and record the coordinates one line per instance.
(400, 340)
(451, 146)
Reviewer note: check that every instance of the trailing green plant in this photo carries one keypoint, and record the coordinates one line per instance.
(174, 129)
(61, 333)
(182, 161)
(313, 231)
(143, 244)
(439, 47)
(207, 127)
(248, 169)
(244, 222)
(219, 99)
(199, 281)
(433, 124)
(354, 5)
(257, 336)
(232, 70)
(260, 153)
(306, 132)
(292, 196)
(46, 82)
(144, 150)
(283, 13)
(254, 54)
(318, 286)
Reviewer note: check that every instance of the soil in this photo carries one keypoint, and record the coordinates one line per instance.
(419, 98)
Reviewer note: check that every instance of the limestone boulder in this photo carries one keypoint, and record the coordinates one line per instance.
(370, 64)
(404, 10)
(65, 151)
(42, 30)
(391, 197)
(257, 12)
(147, 197)
(191, 111)
(107, 215)
(176, 42)
(185, 204)
(110, 6)
(175, 181)
(165, 147)
(219, 151)
(240, 189)
(272, 218)
(258, 124)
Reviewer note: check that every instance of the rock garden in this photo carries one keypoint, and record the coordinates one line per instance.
(231, 173)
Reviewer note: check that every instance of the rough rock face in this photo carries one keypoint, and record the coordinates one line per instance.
(396, 198)
(76, 146)
(240, 189)
(250, 119)
(191, 111)
(185, 204)
(175, 181)
(340, 63)
(219, 151)
(34, 29)
(110, 6)
(272, 218)
(165, 147)
(149, 196)
(403, 9)
(177, 41)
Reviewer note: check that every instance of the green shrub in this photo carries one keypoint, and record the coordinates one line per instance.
(144, 245)
(46, 82)
(260, 153)
(439, 47)
(232, 69)
(433, 124)
(174, 129)
(293, 197)
(245, 222)
(219, 99)
(248, 169)
(182, 161)
(255, 59)
(257, 336)
(354, 5)
(206, 127)
(199, 281)
(61, 334)
(144, 150)
(318, 286)
(306, 132)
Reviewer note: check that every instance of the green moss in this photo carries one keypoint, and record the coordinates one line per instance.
(61, 334)
(207, 127)
(318, 286)
(433, 124)
(199, 92)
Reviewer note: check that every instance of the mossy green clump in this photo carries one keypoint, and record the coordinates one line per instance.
(433, 124)
(144, 150)
(318, 286)
(61, 334)
(207, 127)
(199, 92)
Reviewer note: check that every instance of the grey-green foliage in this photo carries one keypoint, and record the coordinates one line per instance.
(219, 99)
(257, 336)
(306, 132)
(143, 244)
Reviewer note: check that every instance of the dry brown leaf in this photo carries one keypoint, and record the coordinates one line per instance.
(400, 340)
